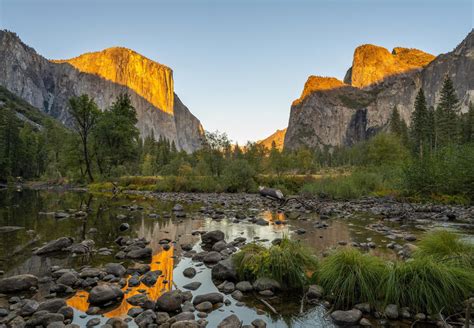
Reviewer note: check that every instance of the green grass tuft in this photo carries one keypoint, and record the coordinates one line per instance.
(446, 246)
(351, 277)
(426, 285)
(290, 263)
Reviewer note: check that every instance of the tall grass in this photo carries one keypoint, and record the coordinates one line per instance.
(426, 285)
(351, 277)
(290, 263)
(446, 246)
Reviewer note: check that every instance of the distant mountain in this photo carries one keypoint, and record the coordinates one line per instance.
(48, 85)
(333, 113)
(278, 137)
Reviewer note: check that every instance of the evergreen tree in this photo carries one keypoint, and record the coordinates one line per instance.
(468, 125)
(419, 127)
(447, 123)
(395, 122)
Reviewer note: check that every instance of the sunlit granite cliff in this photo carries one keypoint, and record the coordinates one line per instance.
(333, 113)
(278, 137)
(103, 75)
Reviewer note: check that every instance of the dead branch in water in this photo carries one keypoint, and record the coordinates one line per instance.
(268, 305)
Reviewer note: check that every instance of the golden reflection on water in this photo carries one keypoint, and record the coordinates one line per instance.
(161, 260)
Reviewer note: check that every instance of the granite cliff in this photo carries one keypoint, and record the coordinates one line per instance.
(48, 85)
(334, 113)
(278, 137)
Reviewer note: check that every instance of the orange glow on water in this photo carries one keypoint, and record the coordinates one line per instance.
(162, 260)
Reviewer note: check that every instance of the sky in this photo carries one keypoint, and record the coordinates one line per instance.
(238, 65)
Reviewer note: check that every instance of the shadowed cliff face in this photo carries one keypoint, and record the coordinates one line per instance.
(49, 85)
(376, 83)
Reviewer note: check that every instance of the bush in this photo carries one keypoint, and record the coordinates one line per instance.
(290, 263)
(239, 176)
(351, 277)
(446, 246)
(427, 285)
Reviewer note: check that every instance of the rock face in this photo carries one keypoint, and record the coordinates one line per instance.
(278, 137)
(103, 75)
(334, 113)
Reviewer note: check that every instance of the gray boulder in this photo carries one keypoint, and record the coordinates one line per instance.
(210, 297)
(22, 282)
(103, 294)
(224, 270)
(231, 321)
(170, 301)
(55, 246)
(346, 318)
(212, 237)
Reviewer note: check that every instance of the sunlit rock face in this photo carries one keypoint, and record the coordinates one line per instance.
(48, 85)
(373, 64)
(278, 137)
(152, 81)
(377, 82)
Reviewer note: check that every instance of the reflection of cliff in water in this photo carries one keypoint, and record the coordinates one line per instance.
(161, 260)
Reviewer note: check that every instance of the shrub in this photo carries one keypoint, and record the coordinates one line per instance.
(239, 176)
(446, 246)
(351, 277)
(290, 263)
(427, 285)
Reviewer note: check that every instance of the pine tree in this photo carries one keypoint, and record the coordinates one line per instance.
(419, 127)
(468, 125)
(447, 122)
(395, 122)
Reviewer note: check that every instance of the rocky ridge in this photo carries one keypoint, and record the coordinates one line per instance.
(48, 85)
(333, 113)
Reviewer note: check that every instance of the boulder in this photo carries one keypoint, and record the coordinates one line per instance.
(116, 269)
(18, 283)
(212, 237)
(214, 298)
(192, 285)
(391, 311)
(231, 321)
(314, 292)
(141, 253)
(189, 272)
(68, 279)
(266, 284)
(146, 318)
(52, 305)
(149, 279)
(244, 286)
(185, 324)
(103, 294)
(224, 270)
(170, 301)
(346, 318)
(55, 246)
(212, 257)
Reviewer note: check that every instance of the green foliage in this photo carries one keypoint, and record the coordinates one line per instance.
(419, 130)
(386, 149)
(428, 285)
(447, 121)
(447, 247)
(351, 277)
(290, 263)
(239, 176)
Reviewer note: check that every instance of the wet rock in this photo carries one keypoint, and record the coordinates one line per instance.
(391, 311)
(116, 323)
(55, 246)
(56, 324)
(68, 279)
(44, 318)
(266, 293)
(141, 253)
(178, 208)
(138, 299)
(212, 257)
(315, 292)
(22, 282)
(261, 222)
(133, 312)
(364, 307)
(204, 306)
(84, 247)
(224, 270)
(192, 285)
(149, 279)
(212, 237)
(237, 295)
(52, 305)
(185, 324)
(405, 313)
(189, 272)
(117, 269)
(214, 298)
(346, 318)
(124, 226)
(226, 287)
(266, 284)
(219, 246)
(93, 322)
(170, 301)
(67, 312)
(90, 273)
(145, 318)
(162, 317)
(28, 308)
(300, 231)
(420, 316)
(134, 281)
(244, 286)
(231, 321)
(186, 247)
(259, 323)
(410, 238)
(103, 294)
(364, 322)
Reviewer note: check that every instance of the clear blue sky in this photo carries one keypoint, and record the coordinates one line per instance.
(238, 65)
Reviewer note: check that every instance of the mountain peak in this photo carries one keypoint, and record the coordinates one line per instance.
(319, 83)
(149, 79)
(372, 64)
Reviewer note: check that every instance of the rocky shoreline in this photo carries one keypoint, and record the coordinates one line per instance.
(109, 284)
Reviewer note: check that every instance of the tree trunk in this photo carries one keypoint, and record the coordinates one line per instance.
(86, 159)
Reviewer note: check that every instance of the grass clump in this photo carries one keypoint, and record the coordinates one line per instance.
(446, 246)
(289, 262)
(351, 277)
(427, 285)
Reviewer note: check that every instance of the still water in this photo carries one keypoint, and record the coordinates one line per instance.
(29, 218)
